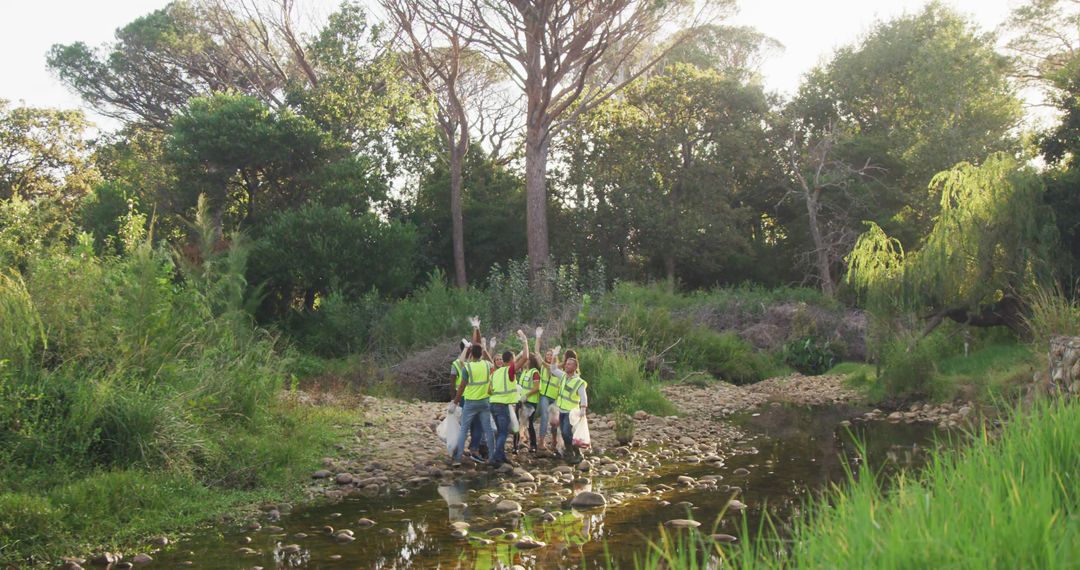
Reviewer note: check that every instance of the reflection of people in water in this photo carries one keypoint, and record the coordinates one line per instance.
(454, 495)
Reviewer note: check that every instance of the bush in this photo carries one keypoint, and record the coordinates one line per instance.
(617, 382)
(908, 370)
(1052, 313)
(810, 356)
(29, 525)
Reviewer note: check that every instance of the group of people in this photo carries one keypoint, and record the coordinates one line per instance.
(494, 390)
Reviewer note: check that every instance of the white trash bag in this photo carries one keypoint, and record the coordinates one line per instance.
(514, 424)
(450, 428)
(553, 415)
(580, 424)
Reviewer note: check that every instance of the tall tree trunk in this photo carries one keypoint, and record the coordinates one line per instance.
(536, 224)
(457, 225)
(821, 255)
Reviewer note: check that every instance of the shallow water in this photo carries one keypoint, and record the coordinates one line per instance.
(792, 452)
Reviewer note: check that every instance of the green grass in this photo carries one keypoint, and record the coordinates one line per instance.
(1003, 502)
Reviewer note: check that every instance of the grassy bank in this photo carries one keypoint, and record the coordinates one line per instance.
(137, 397)
(1002, 502)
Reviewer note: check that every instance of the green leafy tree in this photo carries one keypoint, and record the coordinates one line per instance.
(992, 240)
(917, 95)
(44, 153)
(306, 253)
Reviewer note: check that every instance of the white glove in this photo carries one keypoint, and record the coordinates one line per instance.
(466, 341)
(475, 322)
(555, 351)
(539, 332)
(521, 334)
(483, 343)
(491, 347)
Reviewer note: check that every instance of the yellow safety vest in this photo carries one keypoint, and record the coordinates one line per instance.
(527, 385)
(549, 385)
(479, 384)
(503, 390)
(457, 378)
(569, 399)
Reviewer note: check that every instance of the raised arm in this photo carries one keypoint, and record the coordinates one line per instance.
(539, 354)
(475, 322)
(522, 357)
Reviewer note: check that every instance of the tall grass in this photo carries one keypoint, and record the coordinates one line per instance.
(1052, 313)
(1004, 502)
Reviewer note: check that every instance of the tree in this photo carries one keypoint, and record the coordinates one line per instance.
(185, 50)
(44, 153)
(919, 94)
(438, 57)
(657, 172)
(566, 57)
(251, 161)
(991, 241)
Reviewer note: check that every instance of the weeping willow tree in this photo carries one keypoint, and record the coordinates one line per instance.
(990, 244)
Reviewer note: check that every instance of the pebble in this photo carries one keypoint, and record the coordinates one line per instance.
(291, 549)
(142, 559)
(587, 499)
(459, 533)
(741, 472)
(682, 523)
(720, 537)
(104, 559)
(508, 506)
(160, 541)
(321, 474)
(529, 543)
(365, 523)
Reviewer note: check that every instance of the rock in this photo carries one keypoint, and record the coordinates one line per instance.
(736, 505)
(459, 533)
(720, 537)
(529, 543)
(687, 441)
(123, 566)
(160, 541)
(321, 474)
(896, 416)
(508, 506)
(496, 532)
(845, 423)
(459, 525)
(510, 536)
(104, 559)
(142, 559)
(387, 531)
(344, 538)
(334, 557)
(245, 551)
(291, 549)
(686, 481)
(641, 415)
(741, 472)
(682, 523)
(536, 511)
(525, 476)
(245, 540)
(343, 478)
(584, 466)
(365, 523)
(587, 499)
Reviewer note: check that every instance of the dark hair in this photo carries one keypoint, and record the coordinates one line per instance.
(569, 354)
(477, 352)
(508, 357)
(461, 345)
(534, 362)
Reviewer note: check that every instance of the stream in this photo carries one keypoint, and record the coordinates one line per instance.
(791, 453)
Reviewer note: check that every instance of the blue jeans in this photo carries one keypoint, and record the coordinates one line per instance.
(567, 431)
(501, 413)
(476, 434)
(471, 409)
(544, 403)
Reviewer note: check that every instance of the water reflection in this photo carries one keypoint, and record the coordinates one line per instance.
(794, 452)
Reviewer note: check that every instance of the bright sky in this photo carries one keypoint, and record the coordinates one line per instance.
(809, 29)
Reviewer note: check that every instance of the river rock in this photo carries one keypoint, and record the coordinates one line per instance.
(584, 465)
(321, 474)
(142, 559)
(508, 506)
(160, 541)
(245, 551)
(741, 472)
(343, 478)
(641, 415)
(529, 543)
(682, 523)
(537, 511)
(291, 549)
(685, 481)
(459, 533)
(104, 559)
(123, 566)
(496, 532)
(462, 525)
(344, 538)
(387, 531)
(736, 505)
(720, 537)
(365, 523)
(587, 499)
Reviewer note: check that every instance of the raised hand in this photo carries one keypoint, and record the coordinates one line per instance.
(539, 332)
(475, 322)
(491, 347)
(555, 351)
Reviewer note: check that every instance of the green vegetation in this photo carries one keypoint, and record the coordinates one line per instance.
(618, 383)
(119, 377)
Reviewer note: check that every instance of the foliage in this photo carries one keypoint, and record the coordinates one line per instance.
(810, 355)
(45, 154)
(1019, 480)
(314, 249)
(618, 382)
(1052, 313)
(992, 238)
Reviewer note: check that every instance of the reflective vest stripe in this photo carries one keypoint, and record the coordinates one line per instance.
(569, 399)
(479, 381)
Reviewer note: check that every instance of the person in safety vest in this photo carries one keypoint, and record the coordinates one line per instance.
(572, 395)
(477, 449)
(473, 395)
(504, 395)
(549, 391)
(530, 383)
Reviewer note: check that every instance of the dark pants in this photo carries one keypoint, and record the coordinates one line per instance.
(476, 439)
(532, 426)
(567, 434)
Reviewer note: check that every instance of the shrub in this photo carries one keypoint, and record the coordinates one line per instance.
(810, 356)
(908, 369)
(1052, 313)
(617, 382)
(28, 524)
